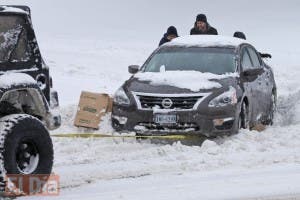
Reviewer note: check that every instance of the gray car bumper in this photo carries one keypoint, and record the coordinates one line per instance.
(212, 122)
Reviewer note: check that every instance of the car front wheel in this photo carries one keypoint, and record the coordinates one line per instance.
(244, 121)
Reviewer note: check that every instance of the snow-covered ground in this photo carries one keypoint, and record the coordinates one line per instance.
(89, 46)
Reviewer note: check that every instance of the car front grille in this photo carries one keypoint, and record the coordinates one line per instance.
(183, 103)
(175, 127)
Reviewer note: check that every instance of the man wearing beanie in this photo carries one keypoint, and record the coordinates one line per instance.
(202, 27)
(169, 35)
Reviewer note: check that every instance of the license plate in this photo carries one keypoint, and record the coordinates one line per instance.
(165, 119)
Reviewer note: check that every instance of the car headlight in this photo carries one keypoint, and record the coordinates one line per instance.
(224, 99)
(121, 97)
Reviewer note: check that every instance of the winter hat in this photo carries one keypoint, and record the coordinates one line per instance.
(172, 31)
(240, 35)
(202, 18)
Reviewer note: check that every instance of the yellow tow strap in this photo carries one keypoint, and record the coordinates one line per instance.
(97, 135)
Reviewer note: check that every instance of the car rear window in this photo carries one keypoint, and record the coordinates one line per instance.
(13, 39)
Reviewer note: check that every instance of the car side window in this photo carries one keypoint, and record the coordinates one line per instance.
(254, 58)
(246, 61)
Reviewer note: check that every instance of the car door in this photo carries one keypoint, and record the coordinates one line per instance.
(249, 82)
(260, 85)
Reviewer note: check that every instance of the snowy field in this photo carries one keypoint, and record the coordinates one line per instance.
(250, 165)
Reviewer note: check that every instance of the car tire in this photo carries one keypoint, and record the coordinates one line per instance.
(26, 147)
(244, 118)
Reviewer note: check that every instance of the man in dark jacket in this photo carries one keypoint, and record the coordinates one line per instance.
(169, 35)
(202, 27)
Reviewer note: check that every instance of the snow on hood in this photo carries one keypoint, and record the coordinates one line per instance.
(12, 79)
(192, 80)
(206, 41)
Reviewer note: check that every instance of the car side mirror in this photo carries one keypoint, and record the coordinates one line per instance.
(253, 72)
(133, 69)
(265, 55)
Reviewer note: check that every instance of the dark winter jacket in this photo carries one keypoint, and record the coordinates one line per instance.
(210, 31)
(164, 40)
(170, 31)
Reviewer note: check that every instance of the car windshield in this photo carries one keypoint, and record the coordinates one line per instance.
(13, 39)
(212, 60)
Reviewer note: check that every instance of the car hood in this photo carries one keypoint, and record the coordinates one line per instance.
(178, 82)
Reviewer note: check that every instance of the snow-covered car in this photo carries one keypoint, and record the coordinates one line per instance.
(209, 85)
(28, 104)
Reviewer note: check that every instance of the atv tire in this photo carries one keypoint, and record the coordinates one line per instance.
(25, 147)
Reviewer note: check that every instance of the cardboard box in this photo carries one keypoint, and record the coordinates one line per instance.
(92, 107)
(110, 104)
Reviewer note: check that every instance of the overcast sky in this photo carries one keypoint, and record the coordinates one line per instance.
(262, 21)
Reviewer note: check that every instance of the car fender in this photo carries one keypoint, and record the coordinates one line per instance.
(12, 83)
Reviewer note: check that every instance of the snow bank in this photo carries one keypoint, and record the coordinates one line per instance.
(192, 80)
(119, 158)
(206, 41)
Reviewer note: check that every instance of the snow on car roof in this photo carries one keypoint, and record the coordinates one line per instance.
(206, 41)
(13, 9)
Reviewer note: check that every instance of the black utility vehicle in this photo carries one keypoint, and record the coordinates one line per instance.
(236, 89)
(28, 104)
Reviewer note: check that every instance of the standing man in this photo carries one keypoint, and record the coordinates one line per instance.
(169, 35)
(202, 27)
